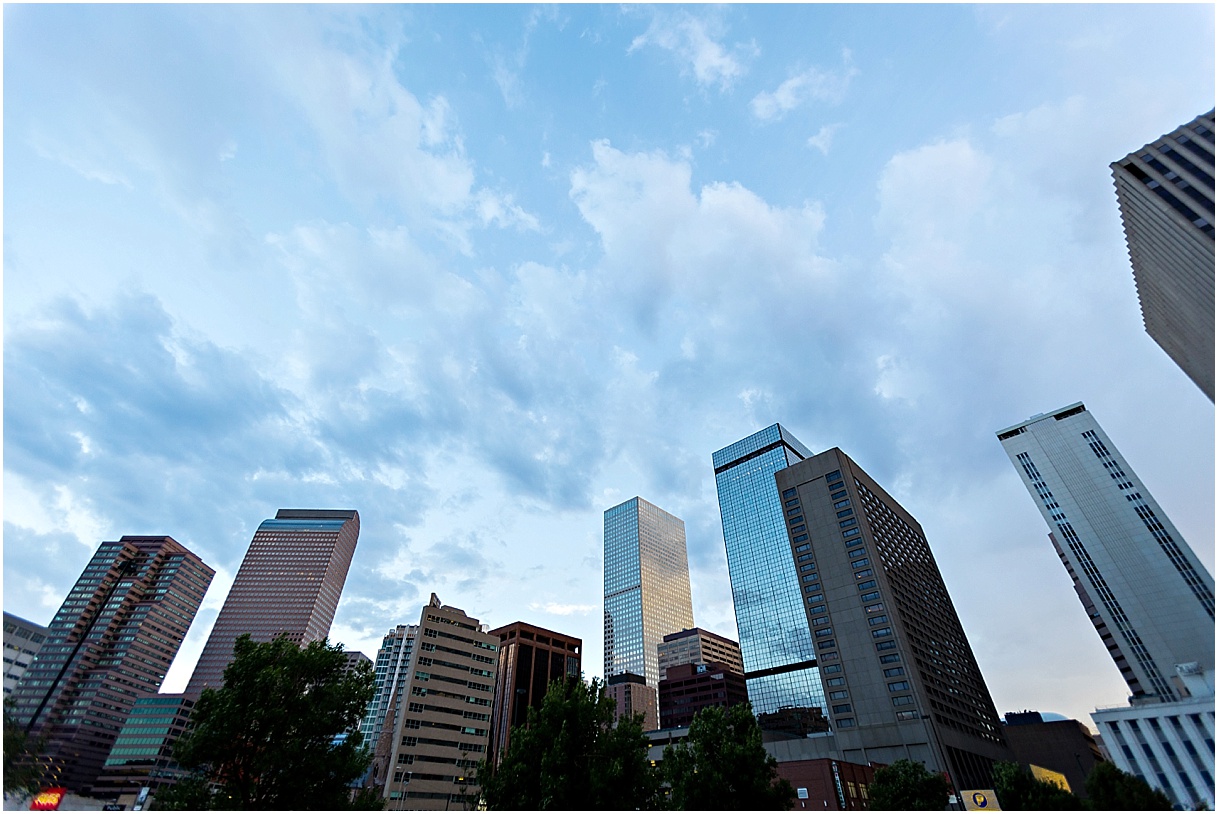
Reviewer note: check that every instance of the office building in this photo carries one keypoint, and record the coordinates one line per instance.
(530, 659)
(1137, 577)
(632, 696)
(1064, 746)
(689, 688)
(829, 785)
(392, 666)
(445, 729)
(647, 593)
(110, 643)
(142, 755)
(698, 646)
(1169, 744)
(22, 641)
(1166, 194)
(288, 585)
(775, 643)
(901, 678)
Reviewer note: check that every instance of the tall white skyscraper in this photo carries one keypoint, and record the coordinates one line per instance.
(647, 592)
(1144, 584)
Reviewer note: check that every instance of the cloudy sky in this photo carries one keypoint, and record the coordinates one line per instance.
(482, 272)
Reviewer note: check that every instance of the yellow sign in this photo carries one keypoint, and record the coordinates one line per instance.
(1049, 776)
(980, 800)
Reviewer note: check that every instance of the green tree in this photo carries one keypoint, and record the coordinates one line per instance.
(1019, 790)
(908, 786)
(722, 765)
(570, 756)
(1110, 789)
(22, 771)
(268, 738)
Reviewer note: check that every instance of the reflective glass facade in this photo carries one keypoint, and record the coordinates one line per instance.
(647, 593)
(765, 588)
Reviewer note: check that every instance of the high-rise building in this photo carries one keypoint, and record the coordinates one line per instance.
(901, 678)
(111, 642)
(647, 593)
(698, 646)
(445, 728)
(1166, 194)
(142, 755)
(22, 641)
(1138, 578)
(288, 585)
(530, 659)
(775, 643)
(392, 666)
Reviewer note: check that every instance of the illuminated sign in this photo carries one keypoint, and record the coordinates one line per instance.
(48, 799)
(980, 800)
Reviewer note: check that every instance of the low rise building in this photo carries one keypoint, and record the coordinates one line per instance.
(1064, 746)
(632, 696)
(692, 687)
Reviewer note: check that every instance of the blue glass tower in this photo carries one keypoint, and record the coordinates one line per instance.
(779, 659)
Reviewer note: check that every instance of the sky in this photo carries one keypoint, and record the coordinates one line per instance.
(483, 272)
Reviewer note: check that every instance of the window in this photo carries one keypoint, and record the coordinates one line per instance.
(850, 533)
(835, 682)
(870, 596)
(877, 620)
(837, 495)
(816, 597)
(821, 620)
(807, 567)
(803, 557)
(898, 686)
(860, 563)
(841, 708)
(892, 658)
(815, 586)
(799, 528)
(858, 552)
(799, 518)
(845, 723)
(826, 644)
(907, 715)
(868, 584)
(816, 609)
(866, 572)
(893, 672)
(824, 631)
(835, 475)
(888, 645)
(845, 513)
(787, 493)
(803, 547)
(841, 504)
(878, 606)
(880, 633)
(832, 668)
(845, 524)
(839, 695)
(902, 700)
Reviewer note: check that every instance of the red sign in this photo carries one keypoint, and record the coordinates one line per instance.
(48, 799)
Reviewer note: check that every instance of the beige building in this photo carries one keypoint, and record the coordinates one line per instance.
(631, 695)
(1166, 194)
(698, 646)
(444, 729)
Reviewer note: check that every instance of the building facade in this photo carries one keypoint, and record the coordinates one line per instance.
(392, 666)
(142, 755)
(1169, 744)
(530, 659)
(631, 696)
(829, 785)
(647, 594)
(1146, 588)
(900, 676)
(689, 688)
(110, 643)
(1166, 194)
(22, 641)
(775, 643)
(698, 646)
(288, 585)
(445, 728)
(1066, 747)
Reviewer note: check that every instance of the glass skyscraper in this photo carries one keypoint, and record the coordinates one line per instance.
(647, 592)
(779, 659)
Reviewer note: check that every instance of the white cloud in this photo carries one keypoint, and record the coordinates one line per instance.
(824, 138)
(811, 84)
(559, 609)
(692, 41)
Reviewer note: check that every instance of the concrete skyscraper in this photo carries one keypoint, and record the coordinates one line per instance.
(1166, 194)
(111, 641)
(1129, 563)
(392, 666)
(289, 584)
(900, 676)
(647, 593)
(775, 643)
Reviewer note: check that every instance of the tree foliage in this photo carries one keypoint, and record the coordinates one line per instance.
(1110, 789)
(22, 771)
(570, 756)
(1019, 790)
(268, 739)
(908, 786)
(722, 765)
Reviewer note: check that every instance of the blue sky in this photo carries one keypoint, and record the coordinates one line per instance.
(482, 272)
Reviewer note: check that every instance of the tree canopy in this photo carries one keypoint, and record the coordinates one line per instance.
(22, 770)
(908, 786)
(281, 734)
(570, 756)
(1019, 790)
(1110, 789)
(723, 766)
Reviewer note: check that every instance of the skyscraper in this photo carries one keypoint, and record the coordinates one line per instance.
(22, 641)
(391, 667)
(901, 678)
(288, 584)
(1166, 194)
(698, 646)
(111, 641)
(779, 660)
(647, 593)
(530, 659)
(1129, 563)
(445, 728)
